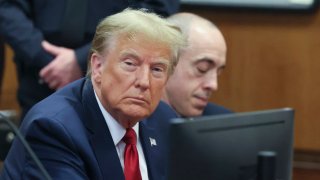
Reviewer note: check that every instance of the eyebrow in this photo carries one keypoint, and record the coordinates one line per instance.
(163, 61)
(205, 59)
(132, 53)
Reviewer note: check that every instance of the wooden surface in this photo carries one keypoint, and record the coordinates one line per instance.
(8, 98)
(306, 174)
(273, 61)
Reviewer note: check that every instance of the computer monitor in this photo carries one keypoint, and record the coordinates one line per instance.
(226, 147)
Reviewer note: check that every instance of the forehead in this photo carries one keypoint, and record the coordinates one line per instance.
(205, 38)
(140, 42)
(140, 48)
(205, 44)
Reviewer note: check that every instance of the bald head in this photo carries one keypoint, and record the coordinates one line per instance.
(196, 76)
(190, 23)
(185, 21)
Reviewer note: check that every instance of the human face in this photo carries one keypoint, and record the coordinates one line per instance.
(130, 78)
(196, 76)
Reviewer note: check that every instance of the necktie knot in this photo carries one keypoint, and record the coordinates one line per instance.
(130, 137)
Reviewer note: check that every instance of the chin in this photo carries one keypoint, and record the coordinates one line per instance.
(196, 112)
(137, 114)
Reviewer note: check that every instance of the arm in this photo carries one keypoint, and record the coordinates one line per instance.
(19, 32)
(56, 149)
(82, 54)
(63, 69)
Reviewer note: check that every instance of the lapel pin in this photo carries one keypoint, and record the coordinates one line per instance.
(153, 142)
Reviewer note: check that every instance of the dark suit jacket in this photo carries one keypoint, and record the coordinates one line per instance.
(214, 109)
(161, 117)
(71, 138)
(25, 23)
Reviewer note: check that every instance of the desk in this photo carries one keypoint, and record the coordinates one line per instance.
(307, 174)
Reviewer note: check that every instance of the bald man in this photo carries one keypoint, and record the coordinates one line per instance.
(201, 62)
(195, 77)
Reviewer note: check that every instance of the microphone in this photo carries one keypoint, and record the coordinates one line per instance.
(13, 127)
(6, 135)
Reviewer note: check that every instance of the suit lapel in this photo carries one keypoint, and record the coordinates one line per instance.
(100, 137)
(153, 152)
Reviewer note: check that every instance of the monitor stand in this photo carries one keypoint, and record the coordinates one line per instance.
(266, 169)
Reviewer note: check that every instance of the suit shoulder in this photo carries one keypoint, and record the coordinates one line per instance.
(163, 109)
(62, 105)
(162, 115)
(214, 109)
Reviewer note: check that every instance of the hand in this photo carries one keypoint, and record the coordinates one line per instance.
(63, 69)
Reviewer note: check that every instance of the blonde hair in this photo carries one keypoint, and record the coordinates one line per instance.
(132, 23)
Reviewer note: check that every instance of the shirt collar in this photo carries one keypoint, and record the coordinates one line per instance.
(116, 130)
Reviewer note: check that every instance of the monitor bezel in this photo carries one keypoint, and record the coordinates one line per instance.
(228, 122)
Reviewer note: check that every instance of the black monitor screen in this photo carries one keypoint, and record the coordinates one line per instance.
(226, 147)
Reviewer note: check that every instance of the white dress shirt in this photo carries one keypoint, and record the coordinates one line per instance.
(117, 132)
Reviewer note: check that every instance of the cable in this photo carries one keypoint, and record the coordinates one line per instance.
(26, 145)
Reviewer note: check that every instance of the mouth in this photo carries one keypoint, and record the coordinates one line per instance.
(139, 100)
(202, 100)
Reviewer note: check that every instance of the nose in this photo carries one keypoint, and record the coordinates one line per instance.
(211, 82)
(142, 78)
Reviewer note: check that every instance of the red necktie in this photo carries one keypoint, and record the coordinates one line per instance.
(131, 157)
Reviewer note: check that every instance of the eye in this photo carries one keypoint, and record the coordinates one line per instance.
(202, 67)
(201, 70)
(129, 64)
(159, 71)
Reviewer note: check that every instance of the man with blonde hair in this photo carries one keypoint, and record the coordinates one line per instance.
(91, 128)
(51, 39)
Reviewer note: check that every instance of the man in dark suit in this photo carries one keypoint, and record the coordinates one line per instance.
(200, 63)
(51, 39)
(90, 128)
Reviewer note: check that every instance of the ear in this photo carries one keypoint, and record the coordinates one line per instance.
(96, 67)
